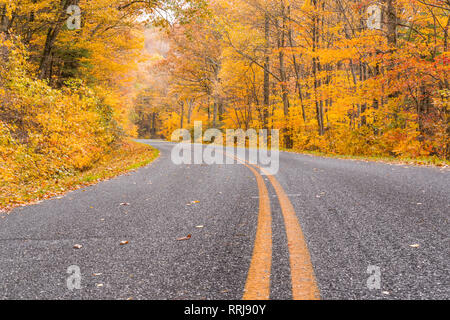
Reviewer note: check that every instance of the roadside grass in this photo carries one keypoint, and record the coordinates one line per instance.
(129, 156)
(423, 161)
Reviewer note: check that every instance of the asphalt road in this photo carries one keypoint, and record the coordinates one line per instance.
(353, 214)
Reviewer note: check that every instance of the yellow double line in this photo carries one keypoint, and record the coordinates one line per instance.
(257, 287)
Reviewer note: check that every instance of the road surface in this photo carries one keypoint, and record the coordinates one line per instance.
(351, 217)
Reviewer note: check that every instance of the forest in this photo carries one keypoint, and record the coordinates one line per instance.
(341, 77)
(68, 73)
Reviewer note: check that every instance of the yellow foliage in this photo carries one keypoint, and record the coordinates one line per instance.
(50, 133)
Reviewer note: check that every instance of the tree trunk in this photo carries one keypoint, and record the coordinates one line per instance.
(52, 34)
(182, 114)
(283, 76)
(189, 113)
(316, 68)
(297, 77)
(215, 114)
(266, 71)
(4, 21)
(391, 22)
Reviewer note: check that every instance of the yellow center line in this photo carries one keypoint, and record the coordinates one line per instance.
(257, 286)
(304, 285)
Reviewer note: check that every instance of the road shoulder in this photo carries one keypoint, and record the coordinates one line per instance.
(129, 156)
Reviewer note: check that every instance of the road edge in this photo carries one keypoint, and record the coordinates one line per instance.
(113, 167)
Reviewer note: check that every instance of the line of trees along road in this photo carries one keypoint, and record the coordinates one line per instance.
(66, 95)
(316, 71)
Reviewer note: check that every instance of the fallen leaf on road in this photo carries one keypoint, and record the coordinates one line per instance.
(122, 243)
(185, 238)
(77, 246)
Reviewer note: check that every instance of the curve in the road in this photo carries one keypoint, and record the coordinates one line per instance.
(304, 285)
